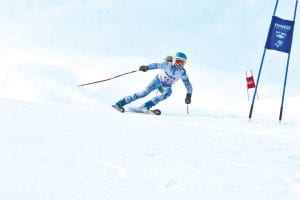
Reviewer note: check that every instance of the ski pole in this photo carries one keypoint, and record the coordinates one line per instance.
(107, 78)
(187, 109)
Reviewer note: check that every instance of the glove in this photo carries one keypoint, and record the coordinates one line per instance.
(188, 99)
(143, 68)
(169, 59)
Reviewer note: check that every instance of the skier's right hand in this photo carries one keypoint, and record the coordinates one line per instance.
(143, 68)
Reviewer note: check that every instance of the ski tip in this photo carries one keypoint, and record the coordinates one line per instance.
(120, 109)
(156, 111)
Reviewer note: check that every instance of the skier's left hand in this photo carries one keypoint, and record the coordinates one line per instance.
(188, 99)
(169, 59)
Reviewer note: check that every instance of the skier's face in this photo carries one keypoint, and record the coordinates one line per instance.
(179, 62)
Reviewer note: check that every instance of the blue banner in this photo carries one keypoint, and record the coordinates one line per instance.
(280, 35)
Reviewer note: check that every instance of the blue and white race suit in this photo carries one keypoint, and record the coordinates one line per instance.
(163, 81)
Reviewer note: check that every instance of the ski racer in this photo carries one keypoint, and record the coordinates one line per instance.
(170, 73)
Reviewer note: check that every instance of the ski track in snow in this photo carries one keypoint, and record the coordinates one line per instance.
(52, 151)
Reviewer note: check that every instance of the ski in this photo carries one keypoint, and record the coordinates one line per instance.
(137, 110)
(154, 111)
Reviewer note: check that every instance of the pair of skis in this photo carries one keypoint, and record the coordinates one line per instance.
(137, 110)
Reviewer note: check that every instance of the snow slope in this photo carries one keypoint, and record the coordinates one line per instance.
(56, 151)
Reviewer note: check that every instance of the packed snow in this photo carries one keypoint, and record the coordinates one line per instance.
(58, 151)
(63, 142)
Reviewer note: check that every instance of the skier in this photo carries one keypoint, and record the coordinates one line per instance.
(163, 82)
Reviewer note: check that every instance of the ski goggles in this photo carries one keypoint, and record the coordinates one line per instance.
(179, 62)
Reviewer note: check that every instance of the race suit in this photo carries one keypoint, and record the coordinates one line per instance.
(163, 82)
